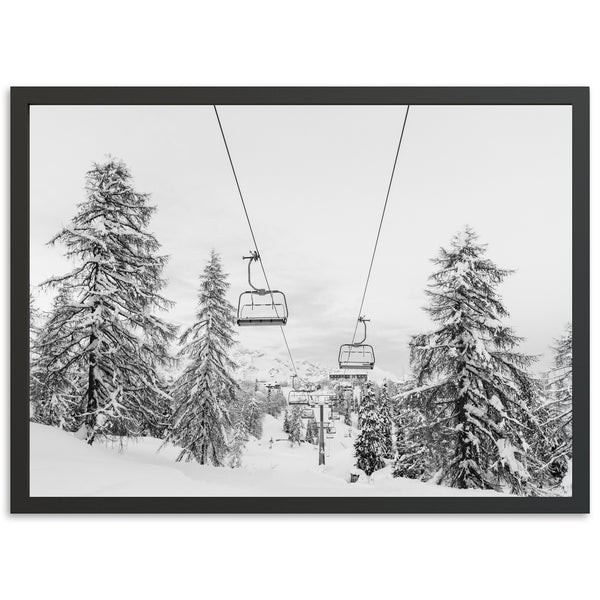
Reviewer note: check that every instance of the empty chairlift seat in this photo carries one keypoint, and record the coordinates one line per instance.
(262, 307)
(357, 355)
(259, 307)
(299, 398)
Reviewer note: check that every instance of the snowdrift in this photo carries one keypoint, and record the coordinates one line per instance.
(62, 465)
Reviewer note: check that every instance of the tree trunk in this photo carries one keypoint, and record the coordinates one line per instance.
(92, 404)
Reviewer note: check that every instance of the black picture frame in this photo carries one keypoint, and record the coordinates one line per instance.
(24, 97)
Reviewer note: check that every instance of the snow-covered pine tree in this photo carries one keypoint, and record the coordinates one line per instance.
(275, 403)
(237, 444)
(347, 409)
(33, 331)
(385, 404)
(312, 432)
(369, 447)
(474, 385)
(413, 457)
(286, 421)
(295, 426)
(253, 413)
(56, 390)
(562, 380)
(33, 316)
(111, 344)
(556, 411)
(422, 452)
(203, 393)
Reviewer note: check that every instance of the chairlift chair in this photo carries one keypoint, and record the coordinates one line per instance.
(299, 396)
(357, 355)
(261, 306)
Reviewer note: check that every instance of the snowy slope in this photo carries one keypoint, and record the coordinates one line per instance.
(62, 465)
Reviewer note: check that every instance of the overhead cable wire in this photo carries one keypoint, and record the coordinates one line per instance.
(387, 196)
(237, 183)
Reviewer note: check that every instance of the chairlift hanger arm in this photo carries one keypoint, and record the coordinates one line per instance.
(254, 256)
(362, 320)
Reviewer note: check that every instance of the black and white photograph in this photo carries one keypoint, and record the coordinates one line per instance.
(301, 301)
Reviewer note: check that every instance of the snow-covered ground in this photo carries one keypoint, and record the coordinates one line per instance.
(62, 465)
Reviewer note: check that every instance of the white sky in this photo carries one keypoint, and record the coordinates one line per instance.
(314, 179)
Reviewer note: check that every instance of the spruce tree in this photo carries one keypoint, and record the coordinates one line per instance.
(237, 444)
(312, 431)
(556, 412)
(423, 448)
(275, 403)
(104, 345)
(369, 447)
(204, 392)
(561, 388)
(474, 387)
(286, 421)
(348, 411)
(56, 390)
(413, 457)
(295, 426)
(253, 415)
(385, 404)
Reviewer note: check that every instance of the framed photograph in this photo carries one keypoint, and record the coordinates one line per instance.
(300, 300)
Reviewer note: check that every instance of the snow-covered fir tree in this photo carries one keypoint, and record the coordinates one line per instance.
(421, 451)
(33, 317)
(104, 346)
(286, 421)
(385, 404)
(347, 411)
(295, 426)
(205, 391)
(253, 413)
(237, 444)
(56, 394)
(275, 403)
(556, 412)
(474, 388)
(369, 447)
(413, 457)
(312, 431)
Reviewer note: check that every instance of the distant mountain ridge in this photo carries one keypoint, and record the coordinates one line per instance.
(255, 364)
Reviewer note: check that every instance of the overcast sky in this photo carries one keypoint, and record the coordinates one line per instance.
(314, 179)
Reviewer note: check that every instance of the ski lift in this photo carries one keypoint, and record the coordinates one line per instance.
(357, 355)
(301, 396)
(260, 306)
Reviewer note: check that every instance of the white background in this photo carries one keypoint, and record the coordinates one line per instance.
(296, 43)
